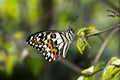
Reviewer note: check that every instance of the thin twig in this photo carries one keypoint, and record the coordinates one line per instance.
(100, 52)
(70, 65)
(110, 4)
(114, 14)
(97, 33)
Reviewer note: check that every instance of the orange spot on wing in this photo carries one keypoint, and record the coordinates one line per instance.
(36, 42)
(55, 56)
(50, 44)
(54, 50)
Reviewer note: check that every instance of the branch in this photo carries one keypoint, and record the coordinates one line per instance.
(110, 4)
(75, 68)
(70, 65)
(114, 14)
(100, 52)
(97, 33)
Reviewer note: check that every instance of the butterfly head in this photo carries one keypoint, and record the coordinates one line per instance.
(70, 30)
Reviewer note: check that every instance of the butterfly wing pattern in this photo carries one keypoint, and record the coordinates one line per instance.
(51, 44)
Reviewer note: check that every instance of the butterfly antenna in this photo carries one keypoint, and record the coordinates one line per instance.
(73, 21)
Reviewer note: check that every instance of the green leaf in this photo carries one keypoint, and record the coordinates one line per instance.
(86, 31)
(11, 8)
(18, 35)
(10, 47)
(88, 71)
(10, 62)
(111, 71)
(80, 45)
(82, 41)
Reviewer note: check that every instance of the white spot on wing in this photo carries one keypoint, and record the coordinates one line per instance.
(45, 46)
(54, 59)
(36, 45)
(40, 46)
(39, 34)
(44, 33)
(50, 60)
(59, 41)
(54, 40)
(46, 57)
(31, 38)
(67, 35)
(58, 35)
(52, 56)
(33, 44)
(47, 49)
(44, 54)
(60, 46)
(45, 41)
(48, 54)
(30, 42)
(38, 39)
(48, 36)
(65, 49)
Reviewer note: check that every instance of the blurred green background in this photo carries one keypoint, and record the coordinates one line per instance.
(20, 18)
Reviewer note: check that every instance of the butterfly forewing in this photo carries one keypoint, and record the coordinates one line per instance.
(49, 43)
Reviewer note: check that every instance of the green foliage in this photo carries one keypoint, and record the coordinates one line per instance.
(7, 63)
(86, 72)
(10, 47)
(82, 41)
(36, 65)
(112, 69)
(3, 58)
(110, 72)
(18, 35)
(8, 58)
(10, 64)
(10, 8)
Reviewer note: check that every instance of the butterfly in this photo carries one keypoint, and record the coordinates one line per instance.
(52, 44)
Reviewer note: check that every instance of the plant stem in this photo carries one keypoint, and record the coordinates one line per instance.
(100, 52)
(70, 65)
(97, 33)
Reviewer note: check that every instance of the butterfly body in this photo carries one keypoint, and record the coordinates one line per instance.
(51, 44)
